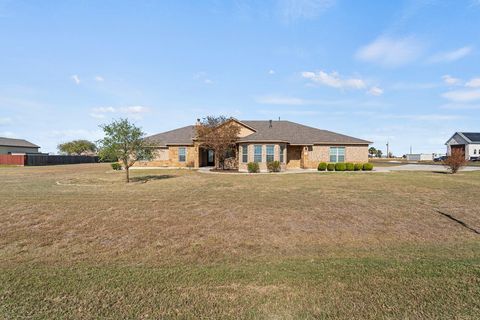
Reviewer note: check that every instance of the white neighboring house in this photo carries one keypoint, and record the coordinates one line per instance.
(467, 142)
(419, 156)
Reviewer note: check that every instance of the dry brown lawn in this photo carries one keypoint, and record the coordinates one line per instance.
(77, 242)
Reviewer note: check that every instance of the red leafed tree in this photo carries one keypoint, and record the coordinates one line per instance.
(219, 134)
(456, 160)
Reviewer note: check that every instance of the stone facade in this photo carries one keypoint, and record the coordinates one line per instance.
(242, 166)
(168, 157)
(321, 153)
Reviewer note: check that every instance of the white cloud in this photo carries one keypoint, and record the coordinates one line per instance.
(391, 52)
(462, 95)
(134, 111)
(448, 79)
(450, 55)
(99, 79)
(75, 79)
(104, 109)
(422, 117)
(292, 10)
(460, 106)
(281, 100)
(203, 77)
(5, 121)
(334, 80)
(473, 83)
(271, 71)
(7, 134)
(375, 91)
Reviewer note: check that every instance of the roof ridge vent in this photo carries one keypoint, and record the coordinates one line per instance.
(270, 123)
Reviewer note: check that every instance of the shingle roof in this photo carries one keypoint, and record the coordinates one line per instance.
(474, 137)
(281, 131)
(295, 133)
(179, 136)
(8, 142)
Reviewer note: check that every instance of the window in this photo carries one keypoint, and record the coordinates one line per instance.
(474, 151)
(244, 153)
(337, 154)
(257, 153)
(282, 151)
(270, 153)
(182, 154)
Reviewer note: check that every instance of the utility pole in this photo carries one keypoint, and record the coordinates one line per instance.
(387, 150)
(410, 149)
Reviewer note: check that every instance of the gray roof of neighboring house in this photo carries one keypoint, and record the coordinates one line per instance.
(8, 142)
(474, 137)
(281, 131)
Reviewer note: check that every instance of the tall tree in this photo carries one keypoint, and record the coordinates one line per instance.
(77, 147)
(124, 141)
(379, 153)
(372, 151)
(219, 134)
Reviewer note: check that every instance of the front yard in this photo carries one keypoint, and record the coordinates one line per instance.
(77, 242)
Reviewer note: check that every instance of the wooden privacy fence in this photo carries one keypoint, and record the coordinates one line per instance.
(15, 160)
(45, 160)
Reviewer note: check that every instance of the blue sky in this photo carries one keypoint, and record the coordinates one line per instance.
(406, 72)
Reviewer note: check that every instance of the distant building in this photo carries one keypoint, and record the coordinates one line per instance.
(467, 142)
(17, 146)
(419, 157)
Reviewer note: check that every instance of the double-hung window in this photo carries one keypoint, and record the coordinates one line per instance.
(270, 152)
(282, 151)
(244, 153)
(337, 154)
(182, 154)
(257, 153)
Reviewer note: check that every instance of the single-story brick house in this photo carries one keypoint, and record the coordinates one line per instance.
(292, 144)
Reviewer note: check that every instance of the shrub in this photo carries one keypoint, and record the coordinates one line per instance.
(367, 167)
(273, 166)
(349, 166)
(331, 166)
(253, 167)
(340, 166)
(358, 166)
(455, 161)
(116, 166)
(322, 166)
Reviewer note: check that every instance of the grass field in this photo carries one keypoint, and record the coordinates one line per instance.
(77, 242)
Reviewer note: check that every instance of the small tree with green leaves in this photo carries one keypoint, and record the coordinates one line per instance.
(124, 141)
(77, 147)
(372, 151)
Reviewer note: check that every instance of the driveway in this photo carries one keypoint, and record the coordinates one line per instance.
(421, 167)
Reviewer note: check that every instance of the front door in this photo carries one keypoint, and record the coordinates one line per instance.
(211, 158)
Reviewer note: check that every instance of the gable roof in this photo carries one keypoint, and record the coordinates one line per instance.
(295, 133)
(280, 131)
(474, 137)
(469, 137)
(9, 142)
(180, 136)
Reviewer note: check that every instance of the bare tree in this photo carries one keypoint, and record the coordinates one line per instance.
(219, 134)
(456, 160)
